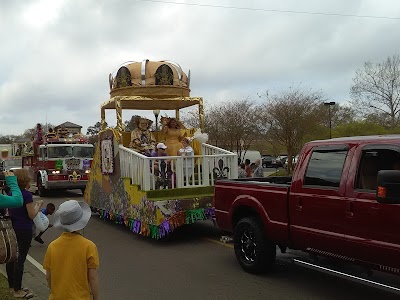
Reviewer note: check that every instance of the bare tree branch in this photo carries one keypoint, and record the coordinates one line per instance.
(377, 88)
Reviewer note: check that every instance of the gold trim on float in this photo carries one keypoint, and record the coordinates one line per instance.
(154, 91)
(146, 103)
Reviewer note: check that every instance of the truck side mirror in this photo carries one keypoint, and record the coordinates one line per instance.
(388, 189)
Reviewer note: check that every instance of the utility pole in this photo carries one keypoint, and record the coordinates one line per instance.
(329, 104)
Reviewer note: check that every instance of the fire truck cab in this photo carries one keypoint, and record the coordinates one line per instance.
(61, 163)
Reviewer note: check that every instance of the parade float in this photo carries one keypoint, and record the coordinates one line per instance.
(154, 195)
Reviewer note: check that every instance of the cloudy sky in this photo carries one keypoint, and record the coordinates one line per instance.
(55, 55)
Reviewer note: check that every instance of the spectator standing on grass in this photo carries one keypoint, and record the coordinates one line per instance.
(21, 218)
(247, 167)
(71, 261)
(258, 171)
(241, 171)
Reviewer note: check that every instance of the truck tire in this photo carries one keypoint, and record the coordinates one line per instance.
(253, 251)
(41, 190)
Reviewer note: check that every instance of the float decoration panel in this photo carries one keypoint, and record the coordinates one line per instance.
(107, 155)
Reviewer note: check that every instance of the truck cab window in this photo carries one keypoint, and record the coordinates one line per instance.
(325, 168)
(371, 162)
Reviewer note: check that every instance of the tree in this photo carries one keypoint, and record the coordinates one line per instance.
(29, 133)
(93, 131)
(8, 139)
(233, 125)
(131, 124)
(291, 116)
(376, 90)
(339, 115)
(359, 128)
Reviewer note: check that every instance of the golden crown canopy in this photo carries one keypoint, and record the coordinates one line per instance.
(155, 79)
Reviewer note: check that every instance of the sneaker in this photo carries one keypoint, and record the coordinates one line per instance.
(39, 240)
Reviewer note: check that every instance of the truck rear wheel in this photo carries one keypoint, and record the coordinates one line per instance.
(41, 190)
(253, 251)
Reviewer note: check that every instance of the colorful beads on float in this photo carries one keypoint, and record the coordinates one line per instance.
(165, 228)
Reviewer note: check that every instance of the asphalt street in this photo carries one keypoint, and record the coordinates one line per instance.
(192, 264)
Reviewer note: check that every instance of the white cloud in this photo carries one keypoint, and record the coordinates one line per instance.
(56, 55)
(41, 13)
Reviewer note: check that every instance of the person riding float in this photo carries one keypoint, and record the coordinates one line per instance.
(142, 139)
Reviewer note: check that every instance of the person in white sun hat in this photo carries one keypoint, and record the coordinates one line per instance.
(71, 261)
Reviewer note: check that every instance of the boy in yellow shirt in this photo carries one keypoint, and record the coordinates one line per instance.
(71, 261)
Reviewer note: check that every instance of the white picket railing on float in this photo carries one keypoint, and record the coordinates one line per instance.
(178, 171)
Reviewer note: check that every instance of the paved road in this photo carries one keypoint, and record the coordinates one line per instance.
(193, 264)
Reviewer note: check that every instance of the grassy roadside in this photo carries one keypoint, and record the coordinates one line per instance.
(4, 290)
(280, 172)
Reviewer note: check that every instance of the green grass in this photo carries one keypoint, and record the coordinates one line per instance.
(4, 290)
(280, 172)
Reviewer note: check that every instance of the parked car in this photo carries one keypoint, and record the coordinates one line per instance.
(279, 161)
(267, 161)
(294, 161)
(341, 202)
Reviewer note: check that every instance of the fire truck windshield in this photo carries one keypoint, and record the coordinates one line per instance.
(81, 151)
(60, 151)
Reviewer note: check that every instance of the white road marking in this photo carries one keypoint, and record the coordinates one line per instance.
(35, 263)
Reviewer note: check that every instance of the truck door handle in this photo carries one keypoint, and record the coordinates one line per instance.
(349, 214)
(349, 210)
(299, 205)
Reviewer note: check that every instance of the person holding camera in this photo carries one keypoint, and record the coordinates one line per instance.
(16, 199)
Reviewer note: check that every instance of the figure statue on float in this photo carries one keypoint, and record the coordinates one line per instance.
(142, 139)
(173, 137)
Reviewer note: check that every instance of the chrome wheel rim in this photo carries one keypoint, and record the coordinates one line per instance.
(248, 246)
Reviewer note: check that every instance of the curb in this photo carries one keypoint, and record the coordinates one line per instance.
(33, 279)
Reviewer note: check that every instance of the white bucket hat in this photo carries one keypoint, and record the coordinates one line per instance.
(72, 215)
(161, 146)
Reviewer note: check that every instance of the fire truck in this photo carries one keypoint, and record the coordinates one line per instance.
(59, 164)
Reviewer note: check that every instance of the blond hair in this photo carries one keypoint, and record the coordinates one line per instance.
(22, 178)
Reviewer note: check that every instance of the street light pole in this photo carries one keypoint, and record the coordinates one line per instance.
(156, 113)
(329, 104)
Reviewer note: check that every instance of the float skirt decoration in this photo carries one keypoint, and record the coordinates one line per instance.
(166, 227)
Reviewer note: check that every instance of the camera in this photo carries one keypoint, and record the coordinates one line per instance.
(3, 186)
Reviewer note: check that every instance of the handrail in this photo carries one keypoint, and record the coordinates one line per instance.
(207, 146)
(177, 171)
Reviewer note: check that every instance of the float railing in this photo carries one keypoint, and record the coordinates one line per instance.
(169, 172)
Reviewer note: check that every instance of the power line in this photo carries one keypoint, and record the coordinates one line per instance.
(276, 10)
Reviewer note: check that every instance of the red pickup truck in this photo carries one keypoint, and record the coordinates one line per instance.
(343, 201)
